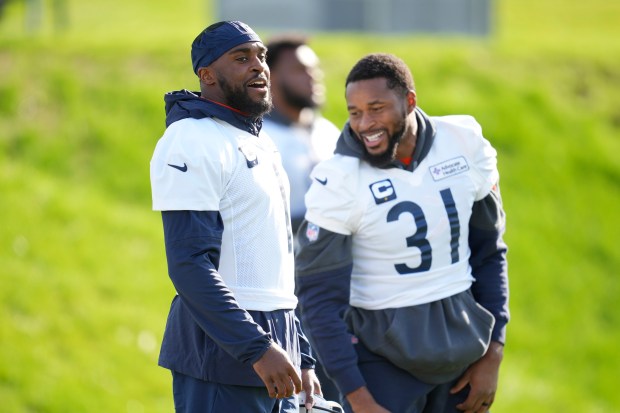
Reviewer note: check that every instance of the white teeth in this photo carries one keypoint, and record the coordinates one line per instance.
(373, 138)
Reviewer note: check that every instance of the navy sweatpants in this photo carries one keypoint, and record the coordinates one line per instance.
(398, 391)
(197, 396)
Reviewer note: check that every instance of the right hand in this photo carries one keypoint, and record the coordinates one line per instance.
(361, 401)
(311, 385)
(278, 373)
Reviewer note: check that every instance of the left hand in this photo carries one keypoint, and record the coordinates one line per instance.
(482, 377)
(311, 385)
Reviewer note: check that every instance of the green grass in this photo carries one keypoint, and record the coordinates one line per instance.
(85, 292)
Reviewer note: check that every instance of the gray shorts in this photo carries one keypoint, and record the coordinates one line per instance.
(435, 342)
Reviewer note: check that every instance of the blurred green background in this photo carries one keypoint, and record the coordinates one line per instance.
(84, 290)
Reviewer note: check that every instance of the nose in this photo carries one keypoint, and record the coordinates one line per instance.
(259, 65)
(366, 122)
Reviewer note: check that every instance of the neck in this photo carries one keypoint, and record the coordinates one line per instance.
(406, 146)
(228, 107)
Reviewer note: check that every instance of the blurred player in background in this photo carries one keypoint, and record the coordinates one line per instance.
(295, 124)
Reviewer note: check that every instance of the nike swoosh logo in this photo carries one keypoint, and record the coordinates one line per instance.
(180, 168)
(321, 181)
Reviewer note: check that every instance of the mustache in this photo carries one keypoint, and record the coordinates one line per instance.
(260, 77)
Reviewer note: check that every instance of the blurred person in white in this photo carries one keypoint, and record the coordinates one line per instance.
(302, 135)
(295, 124)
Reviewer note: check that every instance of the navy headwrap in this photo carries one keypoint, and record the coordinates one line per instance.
(211, 44)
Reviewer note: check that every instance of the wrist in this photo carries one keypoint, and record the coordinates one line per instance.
(359, 398)
(495, 351)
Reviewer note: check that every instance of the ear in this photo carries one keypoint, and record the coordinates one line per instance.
(206, 75)
(412, 101)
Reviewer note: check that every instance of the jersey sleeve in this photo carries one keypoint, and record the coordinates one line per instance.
(484, 158)
(189, 167)
(330, 201)
(486, 166)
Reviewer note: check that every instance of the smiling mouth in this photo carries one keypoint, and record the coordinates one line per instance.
(374, 137)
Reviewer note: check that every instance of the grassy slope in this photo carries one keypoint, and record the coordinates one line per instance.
(85, 293)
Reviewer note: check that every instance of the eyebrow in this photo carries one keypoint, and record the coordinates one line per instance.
(374, 102)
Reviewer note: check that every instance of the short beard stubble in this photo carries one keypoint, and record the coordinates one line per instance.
(238, 98)
(389, 155)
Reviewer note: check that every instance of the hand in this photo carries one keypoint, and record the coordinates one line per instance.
(361, 401)
(482, 377)
(278, 373)
(311, 385)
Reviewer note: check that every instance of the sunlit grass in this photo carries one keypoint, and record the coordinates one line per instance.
(85, 291)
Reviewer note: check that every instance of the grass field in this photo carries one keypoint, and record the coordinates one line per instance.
(85, 293)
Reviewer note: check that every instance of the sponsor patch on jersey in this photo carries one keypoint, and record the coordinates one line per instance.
(382, 191)
(312, 232)
(249, 152)
(449, 168)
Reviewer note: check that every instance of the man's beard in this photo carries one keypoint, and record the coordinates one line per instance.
(297, 100)
(238, 98)
(389, 155)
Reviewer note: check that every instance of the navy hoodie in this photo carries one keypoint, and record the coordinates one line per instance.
(326, 329)
(207, 335)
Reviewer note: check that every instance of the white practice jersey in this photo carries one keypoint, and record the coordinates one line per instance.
(301, 149)
(209, 165)
(409, 229)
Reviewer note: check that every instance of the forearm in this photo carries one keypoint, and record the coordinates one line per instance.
(323, 277)
(490, 288)
(192, 250)
(327, 331)
(488, 260)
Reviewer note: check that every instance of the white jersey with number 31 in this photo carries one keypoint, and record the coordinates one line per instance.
(409, 229)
